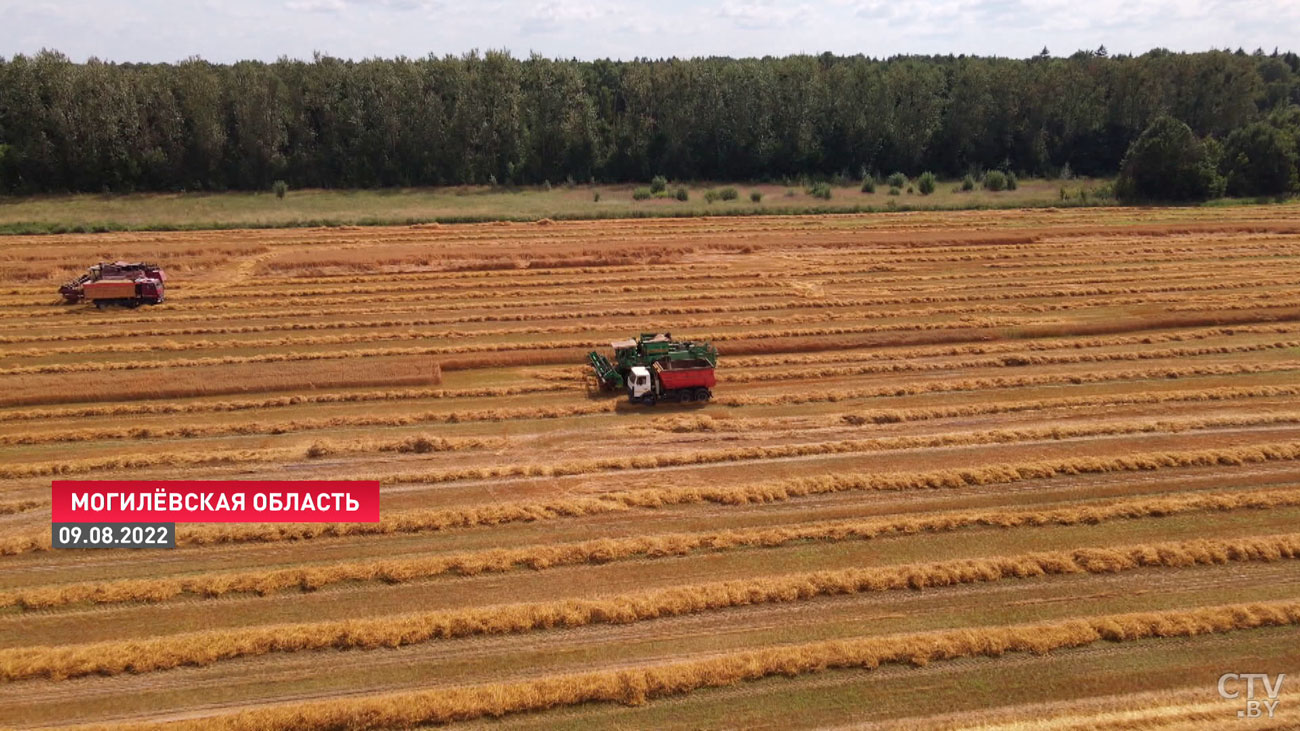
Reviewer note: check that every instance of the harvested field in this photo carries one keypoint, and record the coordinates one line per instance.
(989, 466)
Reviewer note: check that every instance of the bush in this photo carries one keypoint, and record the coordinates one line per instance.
(755, 196)
(1259, 159)
(1012, 181)
(968, 182)
(820, 190)
(710, 196)
(790, 193)
(894, 190)
(868, 184)
(280, 188)
(641, 194)
(595, 196)
(995, 180)
(925, 183)
(1167, 162)
(658, 184)
(682, 195)
(910, 190)
(897, 180)
(728, 194)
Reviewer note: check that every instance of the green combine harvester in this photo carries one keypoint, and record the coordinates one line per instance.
(643, 352)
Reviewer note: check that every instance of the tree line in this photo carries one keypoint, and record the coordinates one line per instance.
(485, 118)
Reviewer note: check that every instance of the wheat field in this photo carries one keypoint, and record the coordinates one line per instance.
(978, 468)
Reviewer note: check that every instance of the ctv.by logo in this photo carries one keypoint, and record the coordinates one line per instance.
(1254, 708)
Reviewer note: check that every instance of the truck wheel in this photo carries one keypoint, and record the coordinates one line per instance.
(649, 400)
(99, 304)
(687, 396)
(702, 394)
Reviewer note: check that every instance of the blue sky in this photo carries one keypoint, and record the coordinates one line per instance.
(227, 30)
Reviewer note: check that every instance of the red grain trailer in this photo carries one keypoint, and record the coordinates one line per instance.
(671, 380)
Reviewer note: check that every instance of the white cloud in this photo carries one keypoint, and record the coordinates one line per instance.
(334, 6)
(555, 15)
(753, 15)
(316, 6)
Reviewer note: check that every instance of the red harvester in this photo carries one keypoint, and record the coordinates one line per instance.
(126, 284)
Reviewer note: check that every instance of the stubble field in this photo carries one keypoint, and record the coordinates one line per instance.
(984, 467)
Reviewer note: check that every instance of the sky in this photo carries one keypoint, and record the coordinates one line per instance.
(230, 30)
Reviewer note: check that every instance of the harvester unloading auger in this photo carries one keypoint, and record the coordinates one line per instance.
(654, 368)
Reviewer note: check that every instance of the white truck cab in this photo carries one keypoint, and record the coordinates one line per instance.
(639, 382)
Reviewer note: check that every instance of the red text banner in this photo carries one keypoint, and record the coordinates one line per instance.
(215, 501)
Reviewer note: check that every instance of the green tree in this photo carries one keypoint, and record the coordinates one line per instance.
(1167, 162)
(255, 154)
(1259, 159)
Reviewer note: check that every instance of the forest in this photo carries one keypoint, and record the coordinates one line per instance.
(490, 118)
